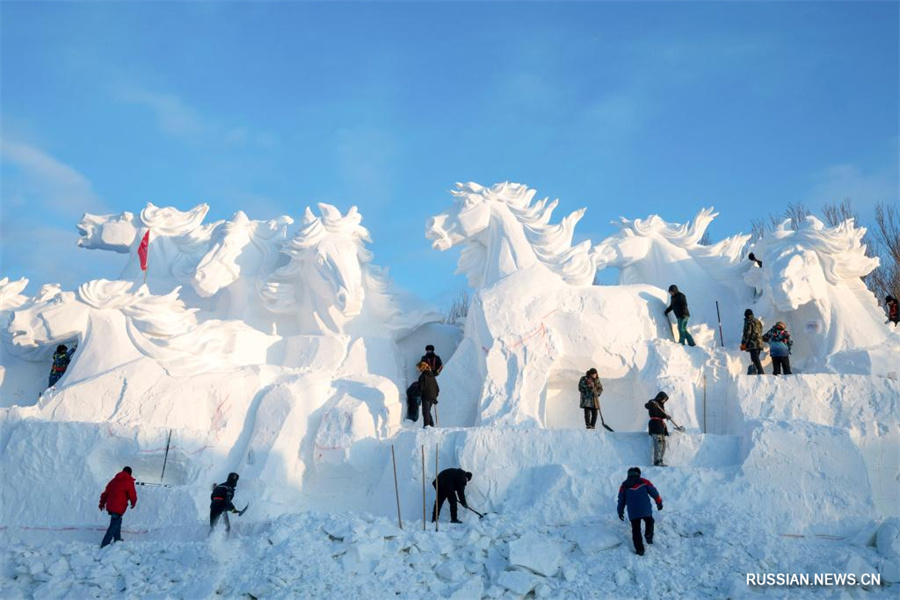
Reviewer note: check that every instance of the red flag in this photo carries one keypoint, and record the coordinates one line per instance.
(143, 249)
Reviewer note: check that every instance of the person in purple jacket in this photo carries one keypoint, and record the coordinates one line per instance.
(635, 493)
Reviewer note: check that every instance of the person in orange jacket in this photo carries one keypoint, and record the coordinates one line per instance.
(114, 499)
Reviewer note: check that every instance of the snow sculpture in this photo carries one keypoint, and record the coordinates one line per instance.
(178, 240)
(503, 232)
(655, 252)
(329, 277)
(243, 253)
(11, 296)
(22, 372)
(526, 346)
(811, 279)
(114, 326)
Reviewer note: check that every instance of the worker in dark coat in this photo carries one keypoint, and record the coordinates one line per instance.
(450, 485)
(114, 500)
(679, 306)
(429, 390)
(61, 359)
(221, 502)
(657, 427)
(752, 340)
(434, 361)
(893, 309)
(590, 388)
(635, 493)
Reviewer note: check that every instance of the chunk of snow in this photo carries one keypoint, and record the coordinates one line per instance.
(518, 582)
(536, 553)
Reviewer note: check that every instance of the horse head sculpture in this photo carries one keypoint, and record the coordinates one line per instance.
(503, 231)
(326, 279)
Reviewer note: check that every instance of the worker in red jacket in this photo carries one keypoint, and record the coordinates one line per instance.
(114, 499)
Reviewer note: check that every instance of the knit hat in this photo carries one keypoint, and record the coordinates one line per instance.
(748, 313)
(673, 288)
(661, 397)
(634, 472)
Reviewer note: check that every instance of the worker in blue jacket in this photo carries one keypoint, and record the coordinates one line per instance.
(635, 493)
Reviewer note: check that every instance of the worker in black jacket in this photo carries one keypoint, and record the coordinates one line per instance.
(221, 502)
(657, 427)
(434, 361)
(450, 485)
(679, 306)
(429, 390)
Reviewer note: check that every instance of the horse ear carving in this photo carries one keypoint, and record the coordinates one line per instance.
(329, 211)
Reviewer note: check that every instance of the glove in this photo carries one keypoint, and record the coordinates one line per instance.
(621, 517)
(235, 511)
(434, 401)
(659, 505)
(101, 506)
(743, 347)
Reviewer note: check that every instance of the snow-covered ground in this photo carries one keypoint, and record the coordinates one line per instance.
(284, 354)
(348, 555)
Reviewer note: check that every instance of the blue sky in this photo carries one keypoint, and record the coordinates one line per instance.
(628, 109)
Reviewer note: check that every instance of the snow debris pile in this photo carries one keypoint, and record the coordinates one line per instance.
(279, 349)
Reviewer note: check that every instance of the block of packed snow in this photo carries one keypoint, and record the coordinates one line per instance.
(473, 588)
(59, 568)
(890, 570)
(536, 553)
(593, 539)
(495, 564)
(887, 538)
(451, 570)
(36, 566)
(518, 582)
(362, 555)
(859, 566)
(382, 528)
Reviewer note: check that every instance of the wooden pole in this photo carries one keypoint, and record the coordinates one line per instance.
(437, 483)
(166, 458)
(719, 315)
(704, 403)
(436, 423)
(424, 518)
(396, 487)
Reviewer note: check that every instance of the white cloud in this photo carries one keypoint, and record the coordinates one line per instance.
(177, 118)
(44, 179)
(173, 116)
(864, 188)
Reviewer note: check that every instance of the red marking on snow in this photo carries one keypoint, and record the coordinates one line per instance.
(161, 448)
(541, 330)
(219, 417)
(27, 528)
(821, 536)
